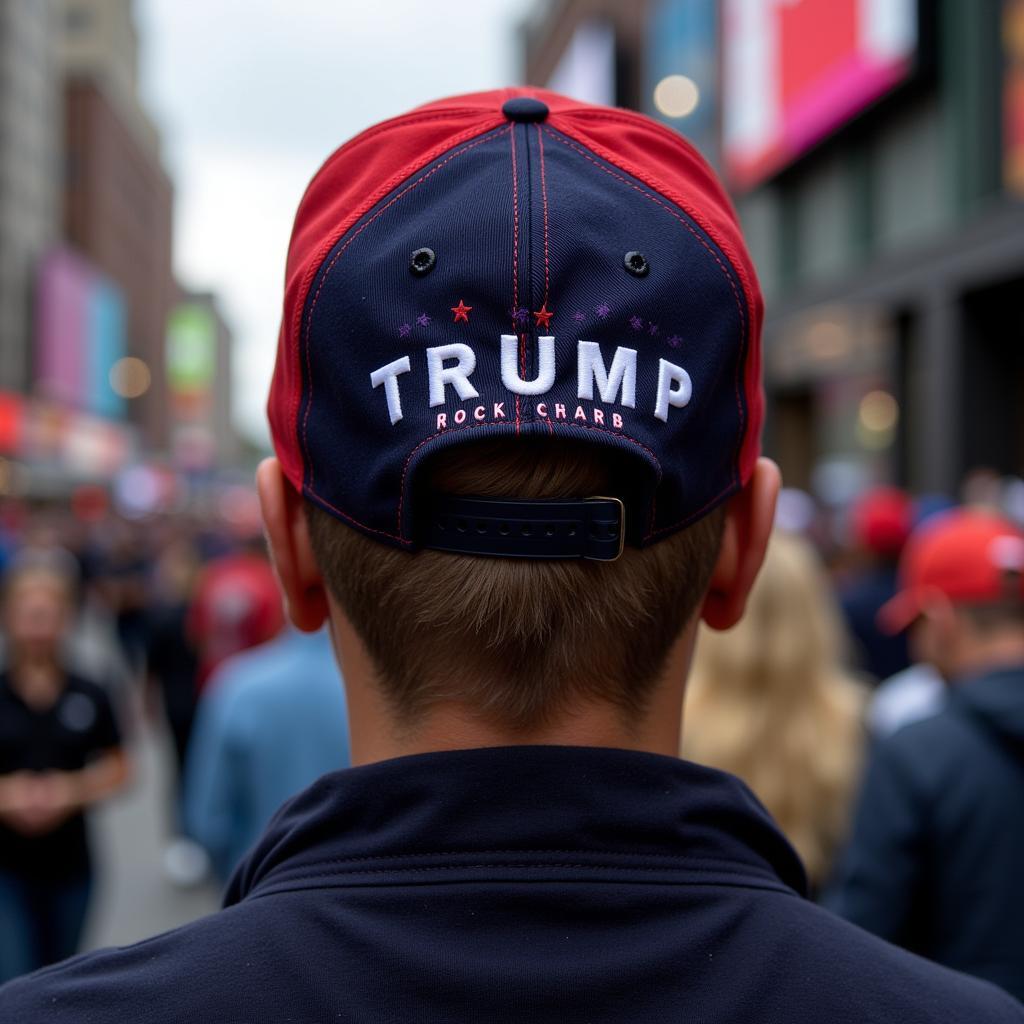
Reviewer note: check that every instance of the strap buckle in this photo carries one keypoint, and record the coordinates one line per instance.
(591, 528)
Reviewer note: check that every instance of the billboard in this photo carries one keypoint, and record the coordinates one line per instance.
(795, 70)
(80, 334)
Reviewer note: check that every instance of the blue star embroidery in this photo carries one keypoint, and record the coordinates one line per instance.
(579, 316)
(652, 330)
(636, 323)
(423, 319)
(603, 310)
(675, 341)
(404, 331)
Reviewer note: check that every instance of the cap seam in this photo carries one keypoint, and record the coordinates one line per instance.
(744, 320)
(324, 250)
(352, 235)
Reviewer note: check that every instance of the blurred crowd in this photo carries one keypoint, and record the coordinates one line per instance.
(872, 698)
(112, 628)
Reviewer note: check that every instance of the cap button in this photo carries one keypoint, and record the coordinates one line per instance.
(524, 109)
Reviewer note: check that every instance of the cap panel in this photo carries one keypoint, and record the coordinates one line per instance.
(351, 181)
(687, 309)
(664, 161)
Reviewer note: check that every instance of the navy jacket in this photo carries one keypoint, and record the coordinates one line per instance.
(528, 884)
(937, 848)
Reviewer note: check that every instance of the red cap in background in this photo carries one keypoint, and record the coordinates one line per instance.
(882, 519)
(964, 555)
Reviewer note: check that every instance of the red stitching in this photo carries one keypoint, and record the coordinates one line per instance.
(544, 197)
(739, 305)
(352, 519)
(478, 426)
(694, 516)
(515, 224)
(321, 254)
(316, 298)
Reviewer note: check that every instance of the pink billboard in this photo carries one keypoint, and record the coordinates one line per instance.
(795, 70)
(79, 334)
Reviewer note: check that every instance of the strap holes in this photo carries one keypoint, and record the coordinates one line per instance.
(481, 526)
(526, 530)
(461, 525)
(504, 530)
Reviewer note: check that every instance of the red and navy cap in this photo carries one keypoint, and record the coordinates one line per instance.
(517, 264)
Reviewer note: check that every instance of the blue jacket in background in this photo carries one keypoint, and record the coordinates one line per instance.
(937, 846)
(272, 720)
(547, 885)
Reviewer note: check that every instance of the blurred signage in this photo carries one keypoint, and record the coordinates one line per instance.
(682, 40)
(81, 445)
(795, 70)
(1013, 96)
(587, 68)
(191, 358)
(80, 334)
(12, 422)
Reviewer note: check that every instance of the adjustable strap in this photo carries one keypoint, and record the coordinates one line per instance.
(592, 528)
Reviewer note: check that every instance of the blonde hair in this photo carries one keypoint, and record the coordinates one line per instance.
(769, 701)
(518, 642)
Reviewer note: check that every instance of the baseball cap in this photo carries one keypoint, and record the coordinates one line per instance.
(882, 519)
(517, 264)
(966, 555)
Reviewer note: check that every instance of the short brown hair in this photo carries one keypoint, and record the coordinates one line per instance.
(517, 641)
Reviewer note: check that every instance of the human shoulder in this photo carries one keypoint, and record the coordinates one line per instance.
(178, 975)
(854, 975)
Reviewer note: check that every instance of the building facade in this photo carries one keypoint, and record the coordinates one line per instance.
(875, 154)
(118, 207)
(30, 172)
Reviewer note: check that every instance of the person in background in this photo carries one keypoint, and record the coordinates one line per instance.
(236, 605)
(172, 665)
(917, 691)
(938, 838)
(60, 753)
(770, 702)
(271, 721)
(880, 522)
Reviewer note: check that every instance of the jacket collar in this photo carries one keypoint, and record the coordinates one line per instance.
(529, 809)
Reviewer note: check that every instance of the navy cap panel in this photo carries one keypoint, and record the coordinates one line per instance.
(376, 334)
(687, 309)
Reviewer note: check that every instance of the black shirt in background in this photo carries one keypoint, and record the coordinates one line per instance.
(77, 728)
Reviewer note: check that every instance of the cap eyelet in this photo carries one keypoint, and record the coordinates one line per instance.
(636, 264)
(422, 261)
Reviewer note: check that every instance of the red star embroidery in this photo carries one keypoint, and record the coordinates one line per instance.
(543, 316)
(461, 312)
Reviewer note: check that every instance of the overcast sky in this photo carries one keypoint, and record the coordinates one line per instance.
(252, 95)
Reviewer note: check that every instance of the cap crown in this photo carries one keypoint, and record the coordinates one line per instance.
(587, 278)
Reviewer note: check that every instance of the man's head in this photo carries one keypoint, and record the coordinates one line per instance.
(517, 409)
(961, 593)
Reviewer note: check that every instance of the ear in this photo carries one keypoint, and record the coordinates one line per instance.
(749, 518)
(284, 521)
